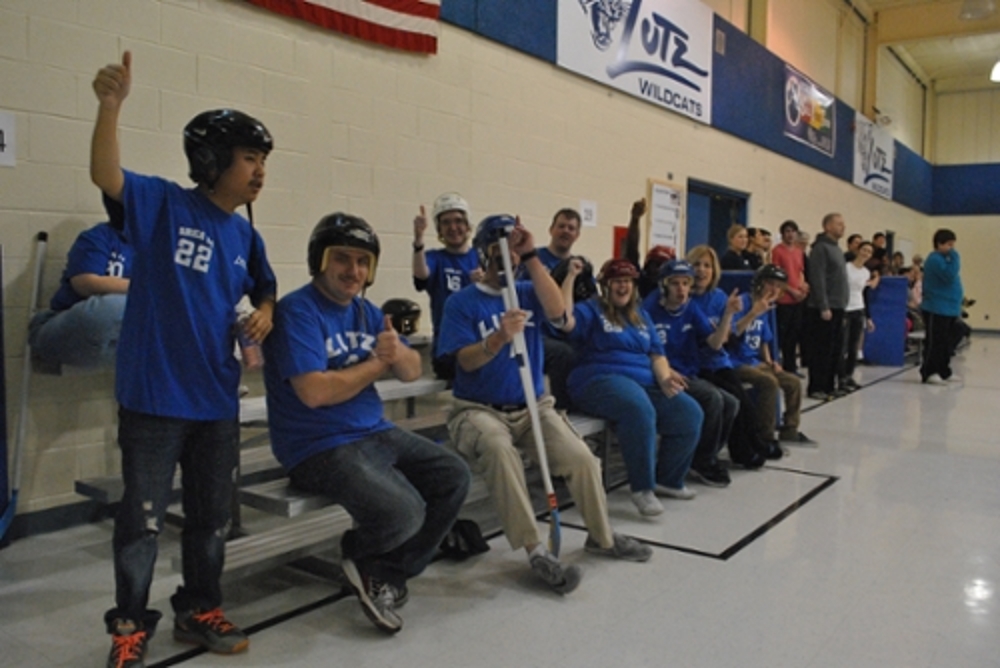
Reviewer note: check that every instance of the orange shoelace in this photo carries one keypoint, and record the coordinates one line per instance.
(215, 619)
(129, 647)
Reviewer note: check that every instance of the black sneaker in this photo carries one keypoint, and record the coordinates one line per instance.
(377, 599)
(820, 396)
(401, 594)
(750, 462)
(128, 645)
(712, 475)
(774, 450)
(211, 630)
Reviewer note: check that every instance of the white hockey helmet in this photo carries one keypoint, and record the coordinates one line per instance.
(449, 202)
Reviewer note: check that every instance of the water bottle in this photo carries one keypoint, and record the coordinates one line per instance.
(250, 351)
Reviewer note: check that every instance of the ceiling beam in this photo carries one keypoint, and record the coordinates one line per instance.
(908, 23)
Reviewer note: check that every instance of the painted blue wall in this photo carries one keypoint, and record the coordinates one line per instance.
(747, 102)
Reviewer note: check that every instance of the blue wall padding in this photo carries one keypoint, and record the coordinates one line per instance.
(961, 190)
(886, 346)
(526, 25)
(913, 180)
(748, 96)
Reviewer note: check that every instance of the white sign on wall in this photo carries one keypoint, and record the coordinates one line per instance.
(588, 213)
(657, 50)
(874, 157)
(8, 147)
(664, 215)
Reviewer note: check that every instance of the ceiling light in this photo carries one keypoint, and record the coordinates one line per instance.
(995, 74)
(974, 10)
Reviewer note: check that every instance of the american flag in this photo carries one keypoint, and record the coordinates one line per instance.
(411, 25)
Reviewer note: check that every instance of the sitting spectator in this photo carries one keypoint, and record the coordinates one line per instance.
(560, 356)
(490, 419)
(83, 321)
(683, 329)
(856, 318)
(746, 448)
(734, 258)
(328, 430)
(754, 364)
(443, 272)
(623, 377)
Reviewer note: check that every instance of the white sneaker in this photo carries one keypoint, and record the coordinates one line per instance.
(953, 379)
(647, 503)
(683, 493)
(935, 379)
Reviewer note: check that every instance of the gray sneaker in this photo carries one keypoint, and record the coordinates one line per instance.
(562, 579)
(624, 547)
(211, 630)
(378, 599)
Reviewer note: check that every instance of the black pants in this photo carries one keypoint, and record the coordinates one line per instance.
(789, 333)
(744, 439)
(938, 346)
(826, 341)
(854, 327)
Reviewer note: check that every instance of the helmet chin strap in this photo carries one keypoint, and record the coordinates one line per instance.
(250, 213)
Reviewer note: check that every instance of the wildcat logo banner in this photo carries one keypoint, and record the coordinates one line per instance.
(874, 157)
(657, 50)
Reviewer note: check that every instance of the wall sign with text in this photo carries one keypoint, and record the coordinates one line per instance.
(874, 157)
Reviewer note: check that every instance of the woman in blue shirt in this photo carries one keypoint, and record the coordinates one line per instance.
(623, 376)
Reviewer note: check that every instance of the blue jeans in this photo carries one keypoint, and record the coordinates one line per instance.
(84, 335)
(638, 414)
(152, 446)
(403, 492)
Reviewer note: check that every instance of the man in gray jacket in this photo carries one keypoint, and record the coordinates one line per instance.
(828, 296)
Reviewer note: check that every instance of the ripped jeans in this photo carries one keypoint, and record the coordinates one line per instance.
(151, 447)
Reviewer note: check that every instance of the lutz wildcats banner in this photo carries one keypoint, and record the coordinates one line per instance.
(657, 50)
(874, 157)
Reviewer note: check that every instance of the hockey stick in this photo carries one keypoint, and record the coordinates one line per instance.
(22, 420)
(524, 367)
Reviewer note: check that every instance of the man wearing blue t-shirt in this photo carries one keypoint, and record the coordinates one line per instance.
(177, 377)
(329, 346)
(754, 365)
(490, 419)
(443, 272)
(84, 319)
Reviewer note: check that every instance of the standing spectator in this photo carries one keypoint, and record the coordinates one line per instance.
(623, 377)
(443, 272)
(177, 379)
(328, 429)
(563, 233)
(758, 252)
(791, 304)
(853, 242)
(856, 320)
(941, 305)
(879, 261)
(735, 256)
(490, 419)
(897, 264)
(656, 256)
(825, 307)
(84, 318)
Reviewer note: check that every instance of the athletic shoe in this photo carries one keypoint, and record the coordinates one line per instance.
(378, 599)
(623, 547)
(647, 503)
(683, 493)
(712, 475)
(797, 438)
(562, 579)
(211, 630)
(850, 385)
(820, 396)
(934, 379)
(840, 392)
(751, 463)
(401, 594)
(774, 450)
(128, 645)
(953, 379)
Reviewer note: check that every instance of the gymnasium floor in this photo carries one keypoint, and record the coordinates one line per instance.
(879, 548)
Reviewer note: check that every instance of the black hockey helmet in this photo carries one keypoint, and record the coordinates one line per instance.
(584, 287)
(211, 136)
(344, 230)
(489, 231)
(769, 272)
(404, 313)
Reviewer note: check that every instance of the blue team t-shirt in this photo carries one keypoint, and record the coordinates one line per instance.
(758, 333)
(683, 333)
(312, 333)
(548, 258)
(449, 273)
(469, 317)
(713, 304)
(192, 263)
(101, 250)
(606, 348)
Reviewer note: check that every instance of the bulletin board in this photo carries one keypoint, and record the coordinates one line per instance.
(664, 215)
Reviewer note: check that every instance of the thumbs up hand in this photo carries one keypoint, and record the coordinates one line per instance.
(113, 82)
(388, 347)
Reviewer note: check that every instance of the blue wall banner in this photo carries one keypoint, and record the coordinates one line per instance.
(874, 157)
(810, 112)
(657, 50)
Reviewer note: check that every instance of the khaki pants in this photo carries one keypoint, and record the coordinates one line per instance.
(490, 440)
(766, 383)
